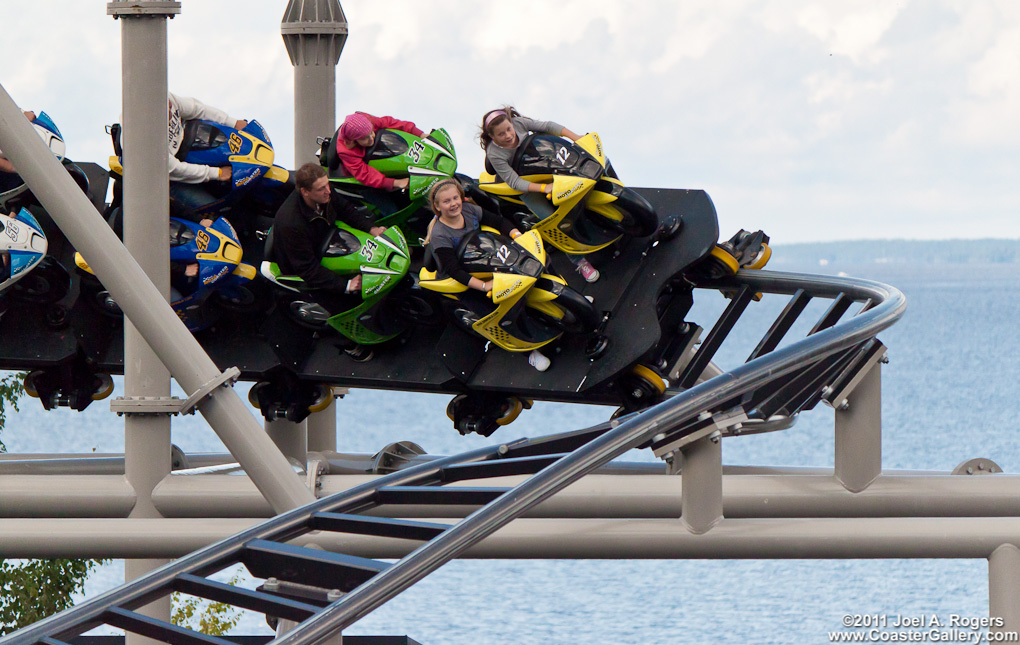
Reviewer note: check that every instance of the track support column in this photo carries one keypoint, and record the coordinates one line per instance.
(1004, 588)
(314, 32)
(858, 459)
(146, 212)
(291, 438)
(322, 427)
(701, 483)
(146, 307)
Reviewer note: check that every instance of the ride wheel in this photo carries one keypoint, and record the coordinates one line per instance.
(29, 384)
(48, 282)
(641, 387)
(309, 315)
(323, 397)
(722, 263)
(253, 394)
(512, 409)
(103, 388)
(761, 259)
(568, 311)
(453, 405)
(630, 214)
(418, 308)
(240, 299)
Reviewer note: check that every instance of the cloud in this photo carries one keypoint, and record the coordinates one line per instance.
(811, 120)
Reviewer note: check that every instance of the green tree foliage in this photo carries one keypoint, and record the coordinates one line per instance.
(31, 590)
(213, 618)
(11, 390)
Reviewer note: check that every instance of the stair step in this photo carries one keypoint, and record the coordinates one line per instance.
(264, 603)
(378, 526)
(498, 468)
(157, 629)
(267, 559)
(438, 495)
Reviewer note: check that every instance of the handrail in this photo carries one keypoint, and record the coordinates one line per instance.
(610, 445)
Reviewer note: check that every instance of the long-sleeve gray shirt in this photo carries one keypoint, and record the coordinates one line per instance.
(500, 157)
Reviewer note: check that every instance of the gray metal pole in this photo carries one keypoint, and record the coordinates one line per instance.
(146, 212)
(1004, 588)
(643, 496)
(562, 539)
(66, 496)
(314, 32)
(322, 429)
(859, 433)
(148, 310)
(291, 438)
(702, 491)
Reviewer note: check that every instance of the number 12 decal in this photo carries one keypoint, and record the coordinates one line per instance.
(503, 254)
(562, 155)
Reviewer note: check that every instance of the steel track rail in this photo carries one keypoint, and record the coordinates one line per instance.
(555, 461)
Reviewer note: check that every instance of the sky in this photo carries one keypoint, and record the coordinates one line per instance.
(814, 121)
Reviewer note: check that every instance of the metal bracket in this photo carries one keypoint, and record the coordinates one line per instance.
(837, 395)
(713, 425)
(687, 353)
(172, 405)
(142, 8)
(313, 27)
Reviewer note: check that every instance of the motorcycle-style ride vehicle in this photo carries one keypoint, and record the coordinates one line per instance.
(217, 276)
(527, 307)
(370, 317)
(589, 207)
(14, 193)
(23, 248)
(257, 187)
(424, 160)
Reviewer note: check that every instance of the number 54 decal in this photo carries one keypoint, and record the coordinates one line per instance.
(415, 152)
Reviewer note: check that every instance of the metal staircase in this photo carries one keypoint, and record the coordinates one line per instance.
(324, 592)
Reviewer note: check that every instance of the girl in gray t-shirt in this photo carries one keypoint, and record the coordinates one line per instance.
(455, 218)
(502, 132)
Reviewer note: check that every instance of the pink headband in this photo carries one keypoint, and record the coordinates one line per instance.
(492, 116)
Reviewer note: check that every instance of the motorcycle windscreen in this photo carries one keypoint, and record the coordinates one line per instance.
(483, 252)
(543, 154)
(201, 144)
(387, 144)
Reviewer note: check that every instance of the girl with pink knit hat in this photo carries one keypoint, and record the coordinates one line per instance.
(356, 135)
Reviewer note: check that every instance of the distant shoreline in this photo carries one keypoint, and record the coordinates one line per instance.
(981, 251)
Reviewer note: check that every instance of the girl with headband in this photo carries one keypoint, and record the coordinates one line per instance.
(502, 132)
(454, 219)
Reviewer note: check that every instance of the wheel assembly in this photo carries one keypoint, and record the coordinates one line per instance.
(723, 263)
(640, 387)
(763, 257)
(483, 413)
(512, 409)
(103, 387)
(29, 385)
(240, 299)
(322, 398)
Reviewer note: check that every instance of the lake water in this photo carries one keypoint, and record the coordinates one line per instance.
(949, 394)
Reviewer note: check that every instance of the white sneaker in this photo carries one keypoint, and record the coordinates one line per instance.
(538, 360)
